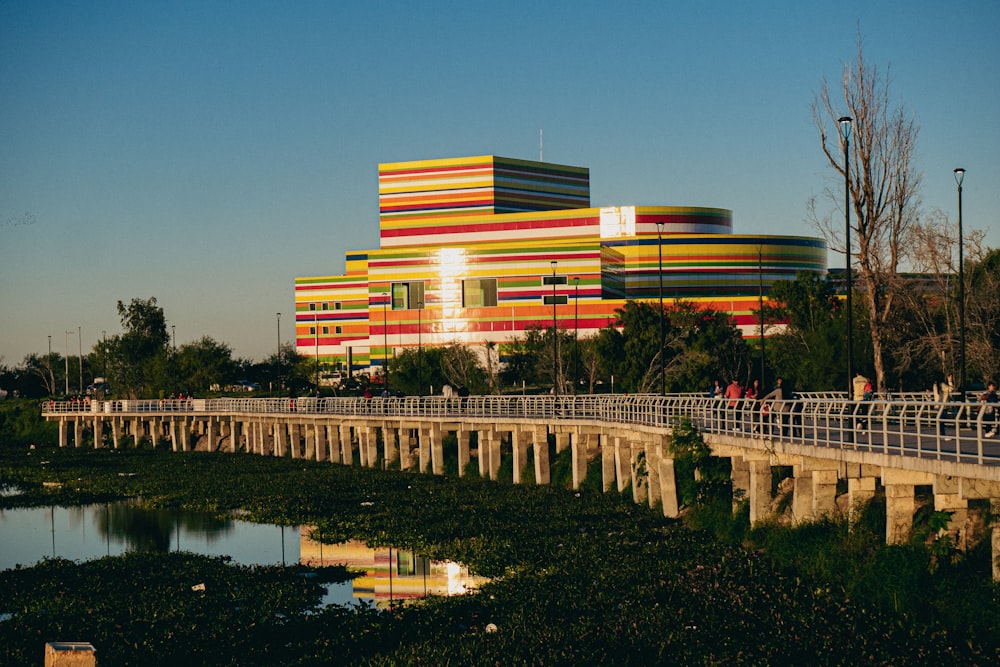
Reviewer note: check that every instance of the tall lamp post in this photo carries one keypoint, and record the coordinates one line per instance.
(279, 351)
(420, 350)
(659, 249)
(845, 134)
(760, 307)
(316, 331)
(79, 342)
(66, 337)
(959, 177)
(555, 336)
(385, 336)
(576, 332)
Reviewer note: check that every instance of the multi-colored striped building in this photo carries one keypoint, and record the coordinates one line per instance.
(473, 250)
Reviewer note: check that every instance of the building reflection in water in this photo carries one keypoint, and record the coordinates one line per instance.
(388, 575)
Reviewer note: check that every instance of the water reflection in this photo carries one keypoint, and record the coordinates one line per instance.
(91, 531)
(389, 575)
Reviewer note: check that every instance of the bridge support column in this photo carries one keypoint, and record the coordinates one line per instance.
(319, 440)
(859, 491)
(235, 435)
(563, 442)
(668, 489)
(542, 466)
(947, 498)
(175, 444)
(371, 442)
(578, 450)
(346, 445)
(608, 467)
(390, 446)
(640, 473)
(623, 468)
(740, 476)
(210, 433)
(136, 431)
(63, 429)
(406, 446)
(77, 432)
(309, 436)
(435, 437)
(899, 508)
(423, 448)
(653, 473)
(760, 489)
(294, 440)
(463, 436)
(98, 432)
(519, 447)
(116, 431)
(279, 439)
(333, 442)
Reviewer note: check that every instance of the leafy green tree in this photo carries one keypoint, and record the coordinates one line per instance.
(137, 358)
(204, 363)
(414, 372)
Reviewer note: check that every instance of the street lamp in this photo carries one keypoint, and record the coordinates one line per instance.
(659, 247)
(959, 177)
(760, 307)
(173, 332)
(316, 332)
(420, 351)
(385, 336)
(555, 336)
(66, 341)
(79, 343)
(845, 134)
(576, 332)
(279, 351)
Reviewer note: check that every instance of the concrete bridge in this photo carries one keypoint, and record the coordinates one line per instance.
(903, 445)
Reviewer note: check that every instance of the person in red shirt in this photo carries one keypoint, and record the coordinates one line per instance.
(734, 392)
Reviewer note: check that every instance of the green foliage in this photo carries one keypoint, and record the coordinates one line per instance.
(137, 358)
(21, 424)
(414, 372)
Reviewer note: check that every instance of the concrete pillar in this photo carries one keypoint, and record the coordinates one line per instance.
(740, 477)
(98, 432)
(423, 448)
(542, 464)
(463, 438)
(899, 508)
(406, 442)
(77, 432)
(995, 537)
(210, 433)
(333, 442)
(802, 496)
(578, 451)
(958, 524)
(859, 491)
(436, 438)
(116, 431)
(346, 445)
(319, 441)
(63, 429)
(519, 446)
(279, 439)
(760, 490)
(562, 442)
(295, 440)
(390, 446)
(623, 462)
(136, 431)
(185, 435)
(496, 439)
(668, 488)
(235, 435)
(640, 473)
(371, 442)
(653, 473)
(824, 493)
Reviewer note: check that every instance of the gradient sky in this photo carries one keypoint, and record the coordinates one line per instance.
(207, 153)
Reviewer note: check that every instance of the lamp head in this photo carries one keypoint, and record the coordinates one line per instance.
(845, 123)
(959, 176)
(659, 226)
(554, 262)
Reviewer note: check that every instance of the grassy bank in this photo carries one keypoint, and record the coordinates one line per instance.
(581, 578)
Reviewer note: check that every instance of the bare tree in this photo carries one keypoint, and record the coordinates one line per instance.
(883, 187)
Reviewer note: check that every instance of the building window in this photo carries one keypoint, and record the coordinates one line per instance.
(312, 306)
(339, 329)
(326, 330)
(408, 296)
(326, 306)
(479, 292)
(312, 331)
(337, 305)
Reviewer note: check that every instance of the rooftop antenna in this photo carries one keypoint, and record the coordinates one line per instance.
(540, 145)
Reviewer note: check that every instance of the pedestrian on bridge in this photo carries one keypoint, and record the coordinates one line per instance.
(991, 409)
(734, 392)
(776, 405)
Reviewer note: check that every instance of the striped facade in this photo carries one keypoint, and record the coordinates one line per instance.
(466, 245)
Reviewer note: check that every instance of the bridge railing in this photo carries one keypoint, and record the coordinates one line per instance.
(908, 427)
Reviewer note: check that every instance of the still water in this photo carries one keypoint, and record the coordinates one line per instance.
(28, 535)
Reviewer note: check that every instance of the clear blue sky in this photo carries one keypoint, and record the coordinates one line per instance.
(207, 153)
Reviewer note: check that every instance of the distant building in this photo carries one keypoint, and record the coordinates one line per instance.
(468, 248)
